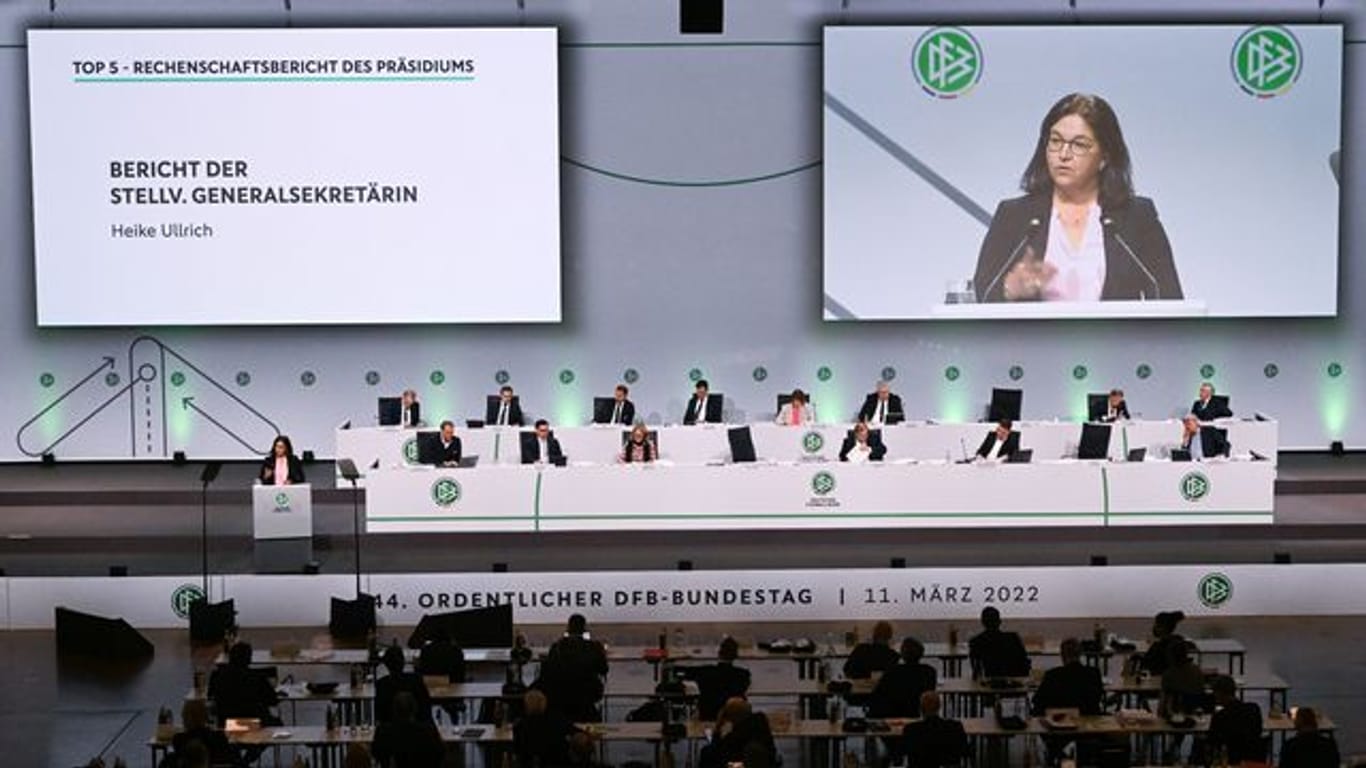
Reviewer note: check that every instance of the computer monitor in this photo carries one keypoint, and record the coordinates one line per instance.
(477, 628)
(1005, 404)
(1219, 401)
(429, 447)
(602, 409)
(1180, 454)
(741, 445)
(1097, 405)
(1021, 457)
(1095, 441)
(390, 411)
(1137, 454)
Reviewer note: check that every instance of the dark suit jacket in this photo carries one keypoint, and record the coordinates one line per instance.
(1070, 686)
(542, 740)
(413, 417)
(1310, 750)
(934, 742)
(1211, 411)
(897, 693)
(867, 658)
(895, 413)
(1012, 445)
(998, 654)
(750, 735)
(450, 454)
(514, 411)
(296, 470)
(241, 692)
(1238, 727)
(874, 442)
(572, 677)
(531, 449)
(216, 742)
(1102, 414)
(713, 414)
(389, 686)
(1135, 223)
(1213, 442)
(408, 745)
(442, 657)
(628, 413)
(716, 683)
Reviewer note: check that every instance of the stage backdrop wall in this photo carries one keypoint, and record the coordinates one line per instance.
(691, 182)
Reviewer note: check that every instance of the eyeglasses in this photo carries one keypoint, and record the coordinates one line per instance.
(1081, 147)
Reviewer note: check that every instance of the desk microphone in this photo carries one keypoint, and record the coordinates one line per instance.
(1108, 223)
(1029, 232)
(962, 444)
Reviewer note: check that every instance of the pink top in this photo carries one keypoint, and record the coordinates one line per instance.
(281, 470)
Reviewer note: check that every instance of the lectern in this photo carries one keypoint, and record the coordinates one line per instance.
(282, 527)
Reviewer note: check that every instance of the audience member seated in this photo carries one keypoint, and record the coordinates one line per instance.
(720, 682)
(1158, 656)
(995, 652)
(898, 691)
(639, 447)
(933, 741)
(1236, 726)
(740, 735)
(874, 656)
(573, 673)
(194, 718)
(397, 681)
(1309, 747)
(1072, 685)
(541, 738)
(860, 446)
(1206, 408)
(797, 411)
(440, 657)
(1115, 408)
(406, 742)
(238, 691)
(1183, 683)
(1000, 443)
(882, 407)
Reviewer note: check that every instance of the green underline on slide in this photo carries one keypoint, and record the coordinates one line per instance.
(283, 79)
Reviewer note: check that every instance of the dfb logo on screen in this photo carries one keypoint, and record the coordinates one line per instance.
(183, 596)
(1214, 590)
(1266, 61)
(813, 442)
(1194, 486)
(281, 502)
(947, 62)
(823, 488)
(410, 451)
(445, 492)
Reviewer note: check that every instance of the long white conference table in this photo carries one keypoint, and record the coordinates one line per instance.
(818, 495)
(923, 441)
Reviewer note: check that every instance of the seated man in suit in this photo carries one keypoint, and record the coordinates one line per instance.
(860, 445)
(994, 652)
(541, 447)
(1309, 747)
(702, 407)
(1072, 685)
(623, 410)
(450, 446)
(719, 682)
(1236, 726)
(398, 681)
(882, 407)
(1000, 443)
(1115, 408)
(1206, 408)
(541, 736)
(898, 691)
(237, 690)
(409, 410)
(505, 410)
(797, 411)
(1201, 441)
(933, 742)
(874, 656)
(1165, 638)
(573, 675)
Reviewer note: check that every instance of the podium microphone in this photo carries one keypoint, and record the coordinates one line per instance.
(1109, 223)
(1029, 232)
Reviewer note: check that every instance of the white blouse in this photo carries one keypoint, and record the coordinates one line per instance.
(1081, 270)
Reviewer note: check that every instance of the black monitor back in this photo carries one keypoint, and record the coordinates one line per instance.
(475, 628)
(602, 409)
(1095, 441)
(428, 447)
(741, 445)
(1005, 404)
(390, 411)
(1097, 404)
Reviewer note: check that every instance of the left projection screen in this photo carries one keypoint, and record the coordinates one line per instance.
(283, 177)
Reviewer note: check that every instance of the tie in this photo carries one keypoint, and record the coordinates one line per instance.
(503, 414)
(616, 414)
(700, 414)
(881, 414)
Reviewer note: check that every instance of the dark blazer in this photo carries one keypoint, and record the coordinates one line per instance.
(1238, 727)
(713, 414)
(895, 413)
(450, 454)
(222, 753)
(749, 736)
(531, 449)
(413, 417)
(1070, 686)
(1310, 750)
(390, 686)
(1215, 409)
(1213, 442)
(514, 411)
(442, 658)
(897, 693)
(1102, 414)
(867, 658)
(1134, 223)
(934, 742)
(874, 442)
(573, 678)
(995, 653)
(408, 745)
(296, 470)
(628, 413)
(542, 740)
(241, 692)
(1012, 445)
(716, 684)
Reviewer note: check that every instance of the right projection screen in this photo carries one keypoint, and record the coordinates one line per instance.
(1079, 171)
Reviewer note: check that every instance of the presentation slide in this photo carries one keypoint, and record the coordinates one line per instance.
(1081, 172)
(295, 176)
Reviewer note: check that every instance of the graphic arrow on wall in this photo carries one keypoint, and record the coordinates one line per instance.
(188, 403)
(107, 365)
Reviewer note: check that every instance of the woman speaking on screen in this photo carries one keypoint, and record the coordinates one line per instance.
(1079, 233)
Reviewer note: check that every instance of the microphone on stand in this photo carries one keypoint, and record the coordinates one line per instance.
(1024, 239)
(1108, 223)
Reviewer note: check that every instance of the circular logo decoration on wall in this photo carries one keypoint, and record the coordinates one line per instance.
(566, 377)
(1334, 370)
(822, 483)
(630, 375)
(759, 373)
(445, 492)
(888, 373)
(177, 378)
(501, 377)
(1016, 372)
(1207, 371)
(1143, 371)
(46, 380)
(694, 375)
(183, 596)
(824, 373)
(1079, 372)
(1270, 370)
(409, 451)
(112, 379)
(308, 378)
(1194, 486)
(1266, 61)
(947, 62)
(952, 373)
(1214, 590)
(243, 378)
(372, 377)
(437, 378)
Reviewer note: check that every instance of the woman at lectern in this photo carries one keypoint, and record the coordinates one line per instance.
(1079, 233)
(282, 467)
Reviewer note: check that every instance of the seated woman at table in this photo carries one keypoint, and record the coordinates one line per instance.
(281, 467)
(639, 447)
(860, 446)
(797, 411)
